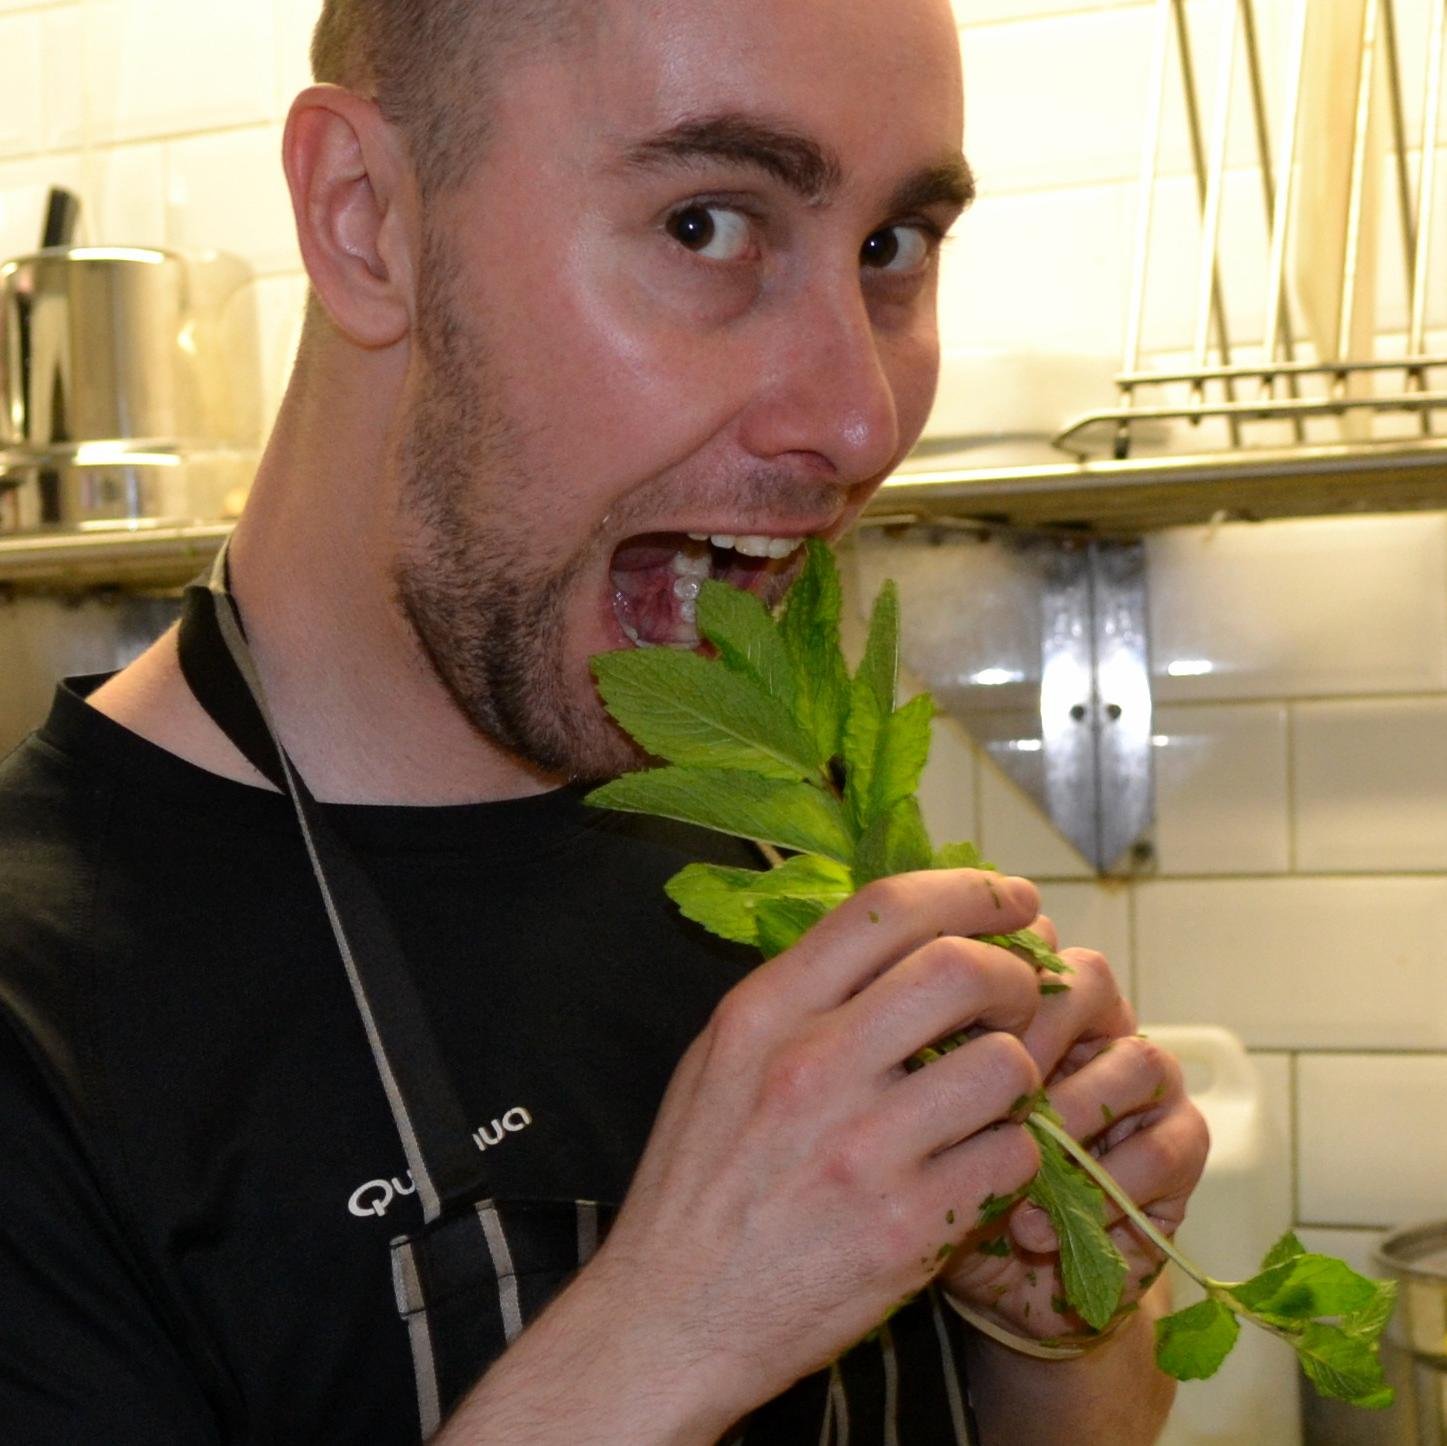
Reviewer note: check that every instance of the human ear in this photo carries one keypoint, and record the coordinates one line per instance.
(354, 198)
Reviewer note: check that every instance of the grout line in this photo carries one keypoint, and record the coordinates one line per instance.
(1291, 813)
(115, 143)
(1293, 1127)
(1338, 1225)
(1308, 876)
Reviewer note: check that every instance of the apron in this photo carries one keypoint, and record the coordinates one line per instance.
(481, 1268)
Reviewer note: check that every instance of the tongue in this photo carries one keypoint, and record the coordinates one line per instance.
(647, 588)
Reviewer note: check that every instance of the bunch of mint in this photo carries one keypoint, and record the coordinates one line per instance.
(774, 741)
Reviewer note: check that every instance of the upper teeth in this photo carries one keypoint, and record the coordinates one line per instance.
(754, 545)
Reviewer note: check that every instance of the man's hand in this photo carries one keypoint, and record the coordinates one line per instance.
(799, 1180)
(1125, 1097)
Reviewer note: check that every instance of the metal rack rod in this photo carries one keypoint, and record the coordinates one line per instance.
(1278, 320)
(1209, 304)
(1356, 203)
(1426, 191)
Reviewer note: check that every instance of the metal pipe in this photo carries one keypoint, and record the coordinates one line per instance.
(1217, 305)
(1145, 218)
(1426, 189)
(1356, 202)
(1283, 330)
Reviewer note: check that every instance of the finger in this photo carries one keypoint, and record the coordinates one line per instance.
(944, 987)
(882, 923)
(1090, 1006)
(1157, 1167)
(979, 1084)
(1127, 1077)
(1045, 927)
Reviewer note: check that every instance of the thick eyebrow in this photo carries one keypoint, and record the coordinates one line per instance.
(795, 160)
(801, 164)
(950, 182)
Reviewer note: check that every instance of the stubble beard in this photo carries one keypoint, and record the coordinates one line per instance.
(491, 624)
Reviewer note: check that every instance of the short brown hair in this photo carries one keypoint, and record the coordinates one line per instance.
(428, 64)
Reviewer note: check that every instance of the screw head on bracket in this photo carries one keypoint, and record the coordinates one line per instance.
(1113, 711)
(1078, 712)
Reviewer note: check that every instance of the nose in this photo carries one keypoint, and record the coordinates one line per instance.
(823, 388)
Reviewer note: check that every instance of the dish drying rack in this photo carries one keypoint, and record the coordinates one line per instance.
(1278, 423)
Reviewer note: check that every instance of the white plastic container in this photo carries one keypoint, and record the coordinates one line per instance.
(1241, 1207)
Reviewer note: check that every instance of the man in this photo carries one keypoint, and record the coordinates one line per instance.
(607, 293)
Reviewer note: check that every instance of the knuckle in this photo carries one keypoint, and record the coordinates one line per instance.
(794, 1076)
(743, 1018)
(1010, 1062)
(1093, 966)
(847, 1158)
(889, 897)
(1151, 1060)
(945, 961)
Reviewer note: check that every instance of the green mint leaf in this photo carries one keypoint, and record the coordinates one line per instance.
(1034, 949)
(1344, 1366)
(748, 641)
(790, 815)
(895, 843)
(783, 922)
(726, 901)
(900, 755)
(962, 856)
(1192, 1343)
(695, 713)
(1305, 1287)
(1287, 1248)
(1092, 1269)
(871, 702)
(1370, 1320)
(809, 628)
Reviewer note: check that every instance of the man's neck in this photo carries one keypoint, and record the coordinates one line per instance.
(361, 711)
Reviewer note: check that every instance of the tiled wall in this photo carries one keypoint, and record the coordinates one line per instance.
(1303, 776)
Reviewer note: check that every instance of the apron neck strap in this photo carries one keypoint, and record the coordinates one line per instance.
(218, 666)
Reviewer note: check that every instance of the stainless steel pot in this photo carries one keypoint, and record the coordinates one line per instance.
(1416, 1257)
(130, 386)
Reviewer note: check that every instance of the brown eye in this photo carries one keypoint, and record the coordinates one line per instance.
(713, 232)
(897, 248)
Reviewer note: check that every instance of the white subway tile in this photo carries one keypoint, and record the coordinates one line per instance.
(1046, 269)
(126, 195)
(1291, 963)
(1016, 835)
(22, 120)
(67, 98)
(1094, 916)
(947, 791)
(1319, 606)
(1221, 789)
(162, 67)
(295, 21)
(228, 191)
(976, 12)
(1371, 1138)
(1371, 784)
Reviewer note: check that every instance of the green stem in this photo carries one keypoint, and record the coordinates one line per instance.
(1133, 1212)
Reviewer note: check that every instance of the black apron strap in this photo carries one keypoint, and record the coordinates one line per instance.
(217, 665)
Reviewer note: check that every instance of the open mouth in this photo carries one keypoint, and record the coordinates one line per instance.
(656, 579)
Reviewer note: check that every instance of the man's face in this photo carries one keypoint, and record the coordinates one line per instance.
(682, 315)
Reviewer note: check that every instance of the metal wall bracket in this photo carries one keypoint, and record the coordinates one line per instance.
(1038, 644)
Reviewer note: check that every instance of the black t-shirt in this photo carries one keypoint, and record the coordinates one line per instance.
(199, 1172)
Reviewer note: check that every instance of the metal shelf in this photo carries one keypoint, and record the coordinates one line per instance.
(1144, 494)
(139, 558)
